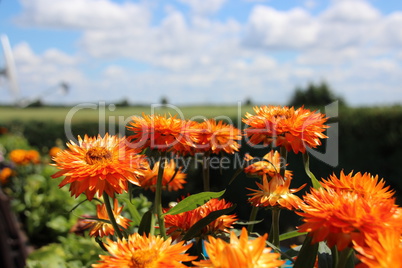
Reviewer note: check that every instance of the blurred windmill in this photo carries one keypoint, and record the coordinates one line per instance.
(9, 72)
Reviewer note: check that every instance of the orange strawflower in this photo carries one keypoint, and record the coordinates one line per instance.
(340, 217)
(24, 157)
(32, 156)
(275, 193)
(293, 129)
(18, 157)
(239, 252)
(98, 165)
(172, 180)
(381, 252)
(270, 165)
(177, 225)
(5, 173)
(363, 184)
(214, 137)
(159, 132)
(101, 228)
(145, 252)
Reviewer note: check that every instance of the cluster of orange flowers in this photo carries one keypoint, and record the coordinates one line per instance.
(183, 136)
(24, 157)
(354, 211)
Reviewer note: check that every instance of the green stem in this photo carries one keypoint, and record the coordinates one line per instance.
(274, 233)
(284, 155)
(253, 216)
(158, 196)
(205, 172)
(111, 216)
(344, 258)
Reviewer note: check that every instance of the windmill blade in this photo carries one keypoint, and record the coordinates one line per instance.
(9, 69)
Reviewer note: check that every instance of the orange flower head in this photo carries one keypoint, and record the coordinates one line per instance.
(177, 225)
(101, 228)
(275, 192)
(239, 252)
(54, 151)
(270, 165)
(33, 156)
(24, 157)
(160, 132)
(340, 217)
(173, 177)
(293, 129)
(364, 184)
(5, 173)
(98, 165)
(144, 252)
(382, 251)
(214, 137)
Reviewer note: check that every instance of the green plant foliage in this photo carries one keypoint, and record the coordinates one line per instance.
(71, 251)
(44, 208)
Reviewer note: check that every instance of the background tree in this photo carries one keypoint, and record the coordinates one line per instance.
(315, 95)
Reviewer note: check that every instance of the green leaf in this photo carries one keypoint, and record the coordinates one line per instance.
(145, 224)
(193, 201)
(314, 180)
(291, 234)
(196, 228)
(133, 211)
(307, 254)
(248, 222)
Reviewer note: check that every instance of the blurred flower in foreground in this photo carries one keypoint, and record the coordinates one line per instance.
(214, 137)
(385, 251)
(239, 252)
(284, 126)
(24, 157)
(101, 228)
(177, 225)
(173, 179)
(340, 217)
(98, 165)
(144, 252)
(270, 165)
(276, 192)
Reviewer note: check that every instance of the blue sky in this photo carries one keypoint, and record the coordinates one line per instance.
(203, 51)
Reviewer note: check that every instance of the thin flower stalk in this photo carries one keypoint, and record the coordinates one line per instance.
(158, 197)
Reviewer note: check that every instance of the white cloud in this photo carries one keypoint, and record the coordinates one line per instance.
(351, 11)
(38, 75)
(204, 6)
(268, 27)
(82, 14)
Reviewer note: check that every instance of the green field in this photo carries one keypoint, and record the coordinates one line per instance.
(107, 113)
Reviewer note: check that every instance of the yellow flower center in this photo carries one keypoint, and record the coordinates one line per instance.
(143, 258)
(97, 154)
